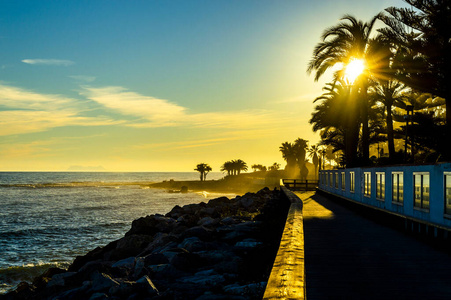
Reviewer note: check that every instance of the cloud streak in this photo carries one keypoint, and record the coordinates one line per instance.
(152, 112)
(159, 111)
(48, 62)
(25, 111)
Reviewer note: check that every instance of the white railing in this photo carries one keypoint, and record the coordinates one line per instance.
(421, 193)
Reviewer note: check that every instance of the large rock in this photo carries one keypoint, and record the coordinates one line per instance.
(187, 261)
(103, 282)
(151, 224)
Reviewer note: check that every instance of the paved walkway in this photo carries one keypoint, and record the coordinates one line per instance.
(350, 257)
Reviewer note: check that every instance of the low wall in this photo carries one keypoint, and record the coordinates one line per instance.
(287, 279)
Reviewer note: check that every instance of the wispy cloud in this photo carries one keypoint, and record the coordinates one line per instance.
(159, 111)
(49, 62)
(153, 112)
(28, 111)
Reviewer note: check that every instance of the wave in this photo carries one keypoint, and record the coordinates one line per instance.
(94, 184)
(11, 276)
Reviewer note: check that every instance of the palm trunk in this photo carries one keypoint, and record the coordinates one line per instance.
(390, 137)
(365, 128)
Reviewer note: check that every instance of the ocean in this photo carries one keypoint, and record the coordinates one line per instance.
(48, 218)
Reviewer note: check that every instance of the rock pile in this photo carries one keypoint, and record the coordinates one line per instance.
(223, 249)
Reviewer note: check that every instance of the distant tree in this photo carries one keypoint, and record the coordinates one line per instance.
(322, 153)
(275, 166)
(203, 169)
(313, 153)
(289, 155)
(234, 167)
(301, 147)
(227, 167)
(238, 166)
(258, 167)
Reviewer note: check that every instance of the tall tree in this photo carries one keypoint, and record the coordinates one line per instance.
(301, 146)
(203, 169)
(390, 93)
(337, 118)
(423, 34)
(289, 155)
(227, 167)
(238, 166)
(313, 153)
(341, 44)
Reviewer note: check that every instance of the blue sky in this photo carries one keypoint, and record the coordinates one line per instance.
(158, 85)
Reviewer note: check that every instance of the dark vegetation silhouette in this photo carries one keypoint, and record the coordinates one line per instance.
(203, 169)
(294, 154)
(407, 68)
(234, 167)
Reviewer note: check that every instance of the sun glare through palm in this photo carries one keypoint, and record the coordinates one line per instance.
(354, 69)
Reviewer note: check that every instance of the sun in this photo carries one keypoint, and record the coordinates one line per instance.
(353, 69)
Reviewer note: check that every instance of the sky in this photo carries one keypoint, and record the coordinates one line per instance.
(159, 85)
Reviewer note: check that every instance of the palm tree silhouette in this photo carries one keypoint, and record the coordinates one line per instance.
(227, 167)
(313, 153)
(422, 34)
(301, 146)
(289, 155)
(234, 167)
(203, 169)
(337, 118)
(238, 166)
(341, 44)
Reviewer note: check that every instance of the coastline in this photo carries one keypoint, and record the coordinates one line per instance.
(240, 184)
(224, 247)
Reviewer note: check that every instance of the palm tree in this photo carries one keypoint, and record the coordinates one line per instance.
(313, 153)
(227, 167)
(347, 41)
(301, 146)
(390, 93)
(322, 154)
(258, 167)
(289, 155)
(275, 166)
(203, 169)
(238, 166)
(422, 34)
(337, 119)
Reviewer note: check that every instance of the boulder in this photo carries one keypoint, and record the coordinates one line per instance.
(219, 201)
(155, 259)
(187, 261)
(208, 222)
(146, 285)
(150, 225)
(125, 263)
(193, 244)
(201, 232)
(102, 282)
(98, 296)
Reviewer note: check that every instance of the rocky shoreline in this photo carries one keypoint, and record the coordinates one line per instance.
(223, 249)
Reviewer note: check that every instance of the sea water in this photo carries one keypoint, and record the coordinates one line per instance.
(48, 218)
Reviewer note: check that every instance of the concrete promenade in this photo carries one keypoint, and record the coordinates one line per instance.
(350, 257)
